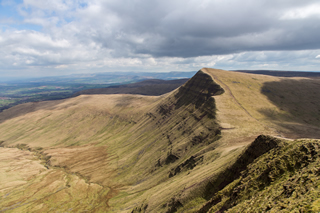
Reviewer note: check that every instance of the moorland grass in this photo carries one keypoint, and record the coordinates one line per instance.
(166, 153)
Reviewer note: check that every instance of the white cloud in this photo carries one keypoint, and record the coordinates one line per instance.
(57, 5)
(160, 35)
(302, 12)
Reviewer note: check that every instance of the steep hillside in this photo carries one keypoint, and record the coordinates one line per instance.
(285, 179)
(134, 153)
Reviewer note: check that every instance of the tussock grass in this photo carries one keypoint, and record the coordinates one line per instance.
(285, 179)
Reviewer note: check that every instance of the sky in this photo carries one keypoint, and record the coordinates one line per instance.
(60, 37)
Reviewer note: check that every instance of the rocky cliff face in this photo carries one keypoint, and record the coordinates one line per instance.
(190, 114)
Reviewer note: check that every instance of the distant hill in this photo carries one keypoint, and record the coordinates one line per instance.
(60, 87)
(282, 73)
(146, 87)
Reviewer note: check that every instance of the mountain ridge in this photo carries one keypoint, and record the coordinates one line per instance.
(134, 153)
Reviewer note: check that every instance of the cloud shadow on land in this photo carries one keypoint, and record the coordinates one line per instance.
(299, 104)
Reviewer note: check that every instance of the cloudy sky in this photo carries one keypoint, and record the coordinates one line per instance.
(45, 37)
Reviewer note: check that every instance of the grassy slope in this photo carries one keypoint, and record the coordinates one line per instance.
(158, 154)
(285, 179)
(295, 115)
(28, 186)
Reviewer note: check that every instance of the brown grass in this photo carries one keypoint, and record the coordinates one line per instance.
(251, 105)
(155, 153)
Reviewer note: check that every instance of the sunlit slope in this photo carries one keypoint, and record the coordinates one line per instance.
(256, 104)
(76, 178)
(28, 186)
(73, 121)
(124, 153)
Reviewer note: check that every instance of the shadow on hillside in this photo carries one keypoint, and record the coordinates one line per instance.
(299, 99)
(198, 90)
